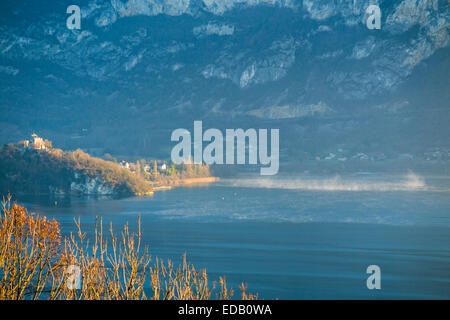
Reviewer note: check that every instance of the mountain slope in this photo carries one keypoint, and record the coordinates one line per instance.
(139, 69)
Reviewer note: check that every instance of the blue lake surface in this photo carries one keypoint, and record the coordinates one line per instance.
(293, 237)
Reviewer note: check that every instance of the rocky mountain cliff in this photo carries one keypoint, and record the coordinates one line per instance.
(138, 69)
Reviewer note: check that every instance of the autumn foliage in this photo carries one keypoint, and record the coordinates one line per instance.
(34, 261)
(28, 171)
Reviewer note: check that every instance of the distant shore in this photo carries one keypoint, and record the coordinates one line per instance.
(183, 182)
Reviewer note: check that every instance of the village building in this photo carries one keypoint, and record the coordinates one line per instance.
(38, 143)
(124, 164)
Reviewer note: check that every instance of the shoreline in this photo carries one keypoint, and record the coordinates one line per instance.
(167, 186)
(185, 182)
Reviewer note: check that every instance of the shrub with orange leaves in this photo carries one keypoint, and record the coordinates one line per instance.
(34, 261)
(29, 250)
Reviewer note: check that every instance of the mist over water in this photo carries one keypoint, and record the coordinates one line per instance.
(408, 199)
(291, 237)
(409, 182)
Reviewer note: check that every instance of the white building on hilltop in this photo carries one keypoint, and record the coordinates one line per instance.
(38, 143)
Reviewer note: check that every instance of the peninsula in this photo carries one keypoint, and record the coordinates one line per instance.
(35, 167)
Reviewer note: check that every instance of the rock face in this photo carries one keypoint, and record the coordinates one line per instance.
(287, 112)
(248, 71)
(213, 28)
(144, 61)
(91, 186)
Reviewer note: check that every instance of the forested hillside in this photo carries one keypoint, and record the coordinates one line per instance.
(30, 171)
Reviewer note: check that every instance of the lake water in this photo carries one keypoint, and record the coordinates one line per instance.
(294, 237)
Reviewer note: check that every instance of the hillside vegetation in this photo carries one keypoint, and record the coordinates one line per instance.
(30, 171)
